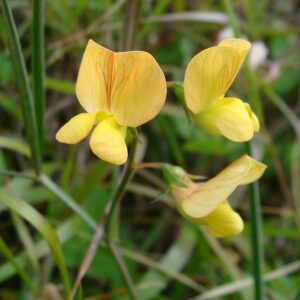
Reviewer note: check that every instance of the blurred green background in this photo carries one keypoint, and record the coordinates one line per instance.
(168, 257)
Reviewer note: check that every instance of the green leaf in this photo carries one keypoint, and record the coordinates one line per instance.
(64, 232)
(14, 144)
(23, 83)
(5, 251)
(66, 87)
(38, 66)
(174, 260)
(70, 202)
(26, 240)
(32, 216)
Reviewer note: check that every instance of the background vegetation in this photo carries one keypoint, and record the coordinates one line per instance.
(47, 224)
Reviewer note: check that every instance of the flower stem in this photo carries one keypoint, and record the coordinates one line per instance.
(256, 237)
(104, 229)
(127, 175)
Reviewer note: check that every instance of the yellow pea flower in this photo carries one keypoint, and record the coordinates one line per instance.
(118, 90)
(206, 203)
(208, 77)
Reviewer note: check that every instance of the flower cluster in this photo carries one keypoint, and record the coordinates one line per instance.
(119, 90)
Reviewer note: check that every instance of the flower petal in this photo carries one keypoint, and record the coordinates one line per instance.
(212, 193)
(211, 72)
(255, 171)
(108, 142)
(233, 120)
(223, 221)
(253, 117)
(76, 129)
(139, 88)
(228, 117)
(242, 46)
(94, 78)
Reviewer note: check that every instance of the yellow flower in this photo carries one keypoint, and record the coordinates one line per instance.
(206, 203)
(118, 90)
(208, 77)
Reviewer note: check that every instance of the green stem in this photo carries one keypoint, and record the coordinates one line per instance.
(232, 17)
(130, 25)
(108, 223)
(256, 237)
(126, 178)
(23, 84)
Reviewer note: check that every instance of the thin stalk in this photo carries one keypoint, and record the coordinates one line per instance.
(232, 17)
(130, 25)
(23, 84)
(38, 66)
(126, 178)
(256, 237)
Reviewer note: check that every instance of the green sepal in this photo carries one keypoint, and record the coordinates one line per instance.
(173, 176)
(132, 133)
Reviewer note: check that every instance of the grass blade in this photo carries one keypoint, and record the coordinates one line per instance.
(26, 240)
(65, 232)
(23, 83)
(14, 144)
(66, 199)
(5, 251)
(38, 66)
(32, 216)
(174, 260)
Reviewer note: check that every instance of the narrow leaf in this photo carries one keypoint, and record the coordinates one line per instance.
(32, 216)
(14, 144)
(38, 66)
(23, 83)
(70, 202)
(5, 251)
(26, 240)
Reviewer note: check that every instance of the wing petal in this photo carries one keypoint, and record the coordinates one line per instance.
(76, 129)
(216, 190)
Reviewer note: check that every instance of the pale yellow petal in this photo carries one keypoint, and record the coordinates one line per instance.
(256, 170)
(233, 120)
(212, 193)
(242, 46)
(94, 78)
(253, 117)
(139, 88)
(223, 222)
(209, 75)
(108, 142)
(229, 117)
(76, 129)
